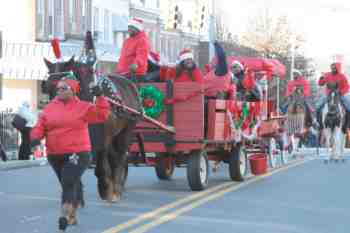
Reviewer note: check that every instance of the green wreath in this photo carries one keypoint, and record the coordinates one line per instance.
(152, 100)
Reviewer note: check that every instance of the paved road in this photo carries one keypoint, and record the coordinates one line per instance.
(309, 197)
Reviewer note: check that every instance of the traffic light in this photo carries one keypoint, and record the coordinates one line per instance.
(176, 16)
(202, 17)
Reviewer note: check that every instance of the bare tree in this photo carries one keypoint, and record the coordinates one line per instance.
(271, 36)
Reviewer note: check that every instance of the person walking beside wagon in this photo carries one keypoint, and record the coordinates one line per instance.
(64, 125)
(28, 120)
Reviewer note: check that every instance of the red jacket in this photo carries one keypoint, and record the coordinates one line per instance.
(135, 51)
(293, 84)
(184, 77)
(340, 78)
(65, 125)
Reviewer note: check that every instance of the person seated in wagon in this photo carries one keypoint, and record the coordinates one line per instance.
(246, 86)
(133, 60)
(186, 70)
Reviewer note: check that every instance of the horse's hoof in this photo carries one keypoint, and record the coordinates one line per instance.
(114, 198)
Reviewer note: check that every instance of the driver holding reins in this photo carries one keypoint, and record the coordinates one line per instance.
(133, 60)
(340, 81)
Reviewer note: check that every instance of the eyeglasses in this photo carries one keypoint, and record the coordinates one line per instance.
(63, 88)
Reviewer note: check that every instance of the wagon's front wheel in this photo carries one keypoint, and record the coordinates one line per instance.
(197, 170)
(164, 167)
(238, 163)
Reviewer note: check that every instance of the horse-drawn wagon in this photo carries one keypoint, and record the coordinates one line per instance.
(197, 127)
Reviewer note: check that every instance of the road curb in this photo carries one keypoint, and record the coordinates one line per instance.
(12, 165)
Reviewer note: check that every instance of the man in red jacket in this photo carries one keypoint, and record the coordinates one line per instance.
(298, 82)
(64, 125)
(336, 77)
(134, 54)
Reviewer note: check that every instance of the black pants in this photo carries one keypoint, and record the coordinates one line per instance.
(3, 153)
(24, 148)
(69, 170)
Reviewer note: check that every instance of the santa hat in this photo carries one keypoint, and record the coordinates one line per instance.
(185, 54)
(237, 63)
(154, 57)
(136, 23)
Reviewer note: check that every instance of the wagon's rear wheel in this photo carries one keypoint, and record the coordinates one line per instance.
(197, 170)
(238, 163)
(165, 166)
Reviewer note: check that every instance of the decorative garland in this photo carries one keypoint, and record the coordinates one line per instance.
(243, 116)
(152, 100)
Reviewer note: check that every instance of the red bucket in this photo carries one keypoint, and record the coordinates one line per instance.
(258, 164)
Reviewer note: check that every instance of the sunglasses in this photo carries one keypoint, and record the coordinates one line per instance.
(63, 88)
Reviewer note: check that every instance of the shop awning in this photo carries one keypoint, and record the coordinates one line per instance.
(25, 60)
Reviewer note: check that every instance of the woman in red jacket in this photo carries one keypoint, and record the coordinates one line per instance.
(64, 125)
(187, 70)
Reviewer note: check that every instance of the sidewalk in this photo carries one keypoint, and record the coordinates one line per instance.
(17, 164)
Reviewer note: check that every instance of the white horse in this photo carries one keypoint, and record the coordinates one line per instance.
(333, 117)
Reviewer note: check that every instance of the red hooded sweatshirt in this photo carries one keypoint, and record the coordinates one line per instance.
(135, 50)
(340, 78)
(65, 125)
(293, 84)
(185, 77)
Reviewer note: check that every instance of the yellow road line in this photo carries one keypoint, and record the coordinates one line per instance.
(165, 208)
(171, 216)
(220, 188)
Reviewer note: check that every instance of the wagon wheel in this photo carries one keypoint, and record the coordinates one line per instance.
(238, 163)
(273, 152)
(164, 166)
(197, 170)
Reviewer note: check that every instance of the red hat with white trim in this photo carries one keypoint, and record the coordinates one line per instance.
(136, 23)
(154, 57)
(185, 54)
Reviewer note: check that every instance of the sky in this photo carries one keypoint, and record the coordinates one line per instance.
(323, 23)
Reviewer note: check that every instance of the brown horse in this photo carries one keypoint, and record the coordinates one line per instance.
(116, 132)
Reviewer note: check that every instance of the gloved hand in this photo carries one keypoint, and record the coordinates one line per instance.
(133, 68)
(96, 90)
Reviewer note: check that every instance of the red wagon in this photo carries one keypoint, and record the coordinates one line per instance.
(195, 127)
